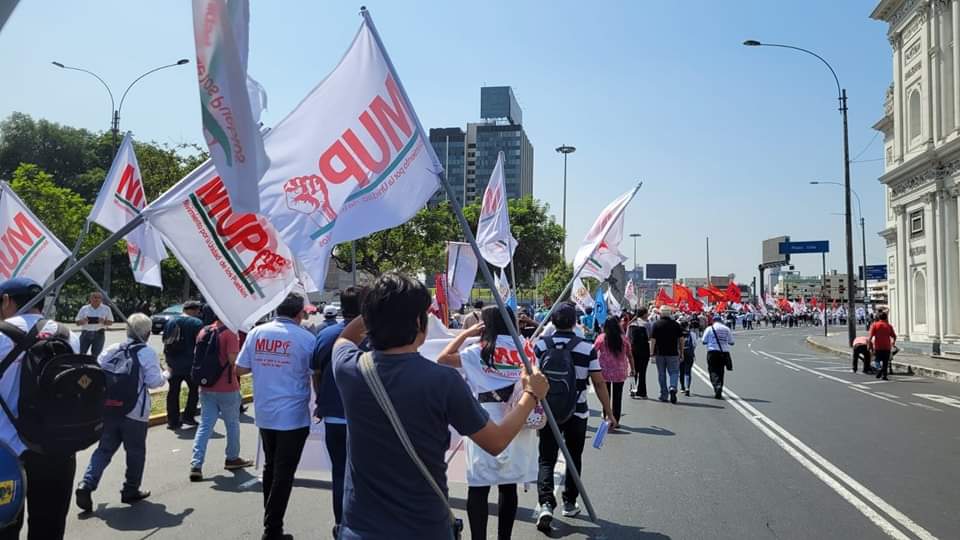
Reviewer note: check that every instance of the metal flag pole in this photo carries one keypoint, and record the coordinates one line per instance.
(511, 327)
(84, 261)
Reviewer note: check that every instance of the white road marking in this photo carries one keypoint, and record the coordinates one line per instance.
(805, 368)
(871, 394)
(889, 395)
(943, 400)
(819, 467)
(788, 367)
(925, 406)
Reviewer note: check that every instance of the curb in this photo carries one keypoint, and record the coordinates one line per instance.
(161, 419)
(926, 371)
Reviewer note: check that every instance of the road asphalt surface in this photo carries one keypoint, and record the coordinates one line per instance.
(800, 448)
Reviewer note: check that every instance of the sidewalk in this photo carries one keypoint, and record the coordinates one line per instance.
(921, 364)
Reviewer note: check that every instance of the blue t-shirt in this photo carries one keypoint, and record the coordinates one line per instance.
(179, 355)
(385, 496)
(329, 404)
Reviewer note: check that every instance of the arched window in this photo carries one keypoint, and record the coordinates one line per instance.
(919, 298)
(913, 115)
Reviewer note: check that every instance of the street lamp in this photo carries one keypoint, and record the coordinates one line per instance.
(565, 149)
(115, 128)
(863, 236)
(848, 223)
(635, 236)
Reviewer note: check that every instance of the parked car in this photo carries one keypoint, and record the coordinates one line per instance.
(160, 319)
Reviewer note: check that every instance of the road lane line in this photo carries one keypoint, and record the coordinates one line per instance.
(788, 367)
(925, 406)
(758, 419)
(749, 412)
(888, 394)
(943, 400)
(871, 394)
(805, 368)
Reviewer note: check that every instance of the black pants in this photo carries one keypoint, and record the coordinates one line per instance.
(574, 433)
(173, 400)
(716, 364)
(640, 377)
(477, 512)
(281, 452)
(884, 358)
(92, 340)
(50, 486)
(615, 391)
(337, 448)
(862, 353)
(686, 369)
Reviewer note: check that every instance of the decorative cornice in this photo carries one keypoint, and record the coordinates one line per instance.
(899, 209)
(895, 41)
(904, 10)
(937, 171)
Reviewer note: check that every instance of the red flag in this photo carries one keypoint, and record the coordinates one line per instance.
(814, 303)
(784, 305)
(733, 293)
(443, 310)
(711, 293)
(663, 299)
(721, 307)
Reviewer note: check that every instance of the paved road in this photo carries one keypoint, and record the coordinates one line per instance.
(802, 448)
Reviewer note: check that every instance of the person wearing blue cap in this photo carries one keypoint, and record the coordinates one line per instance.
(49, 476)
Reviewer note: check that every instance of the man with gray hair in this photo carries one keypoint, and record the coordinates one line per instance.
(131, 369)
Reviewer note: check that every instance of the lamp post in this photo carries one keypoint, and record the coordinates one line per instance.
(635, 236)
(565, 149)
(848, 222)
(115, 128)
(863, 237)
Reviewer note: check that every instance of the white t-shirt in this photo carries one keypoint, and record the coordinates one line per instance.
(506, 369)
(10, 382)
(151, 376)
(102, 313)
(278, 354)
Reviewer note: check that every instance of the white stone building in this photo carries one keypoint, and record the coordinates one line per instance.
(921, 125)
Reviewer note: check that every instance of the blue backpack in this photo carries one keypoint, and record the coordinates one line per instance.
(122, 373)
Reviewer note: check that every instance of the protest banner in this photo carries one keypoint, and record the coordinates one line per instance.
(228, 122)
(496, 242)
(27, 247)
(238, 261)
(461, 273)
(121, 199)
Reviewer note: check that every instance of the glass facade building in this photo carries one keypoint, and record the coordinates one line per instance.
(450, 146)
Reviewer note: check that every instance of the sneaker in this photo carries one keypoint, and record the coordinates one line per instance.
(570, 509)
(196, 474)
(673, 395)
(237, 463)
(686, 392)
(134, 496)
(84, 500)
(544, 517)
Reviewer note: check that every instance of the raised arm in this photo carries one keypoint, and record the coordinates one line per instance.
(450, 355)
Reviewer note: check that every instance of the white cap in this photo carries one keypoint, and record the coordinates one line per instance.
(330, 311)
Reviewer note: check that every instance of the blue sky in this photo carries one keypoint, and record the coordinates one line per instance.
(725, 137)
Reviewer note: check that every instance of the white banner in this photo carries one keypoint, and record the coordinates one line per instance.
(600, 251)
(349, 161)
(493, 229)
(613, 306)
(581, 295)
(120, 200)
(630, 294)
(228, 123)
(461, 273)
(27, 248)
(236, 260)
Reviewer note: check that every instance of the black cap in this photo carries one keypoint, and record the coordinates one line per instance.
(20, 286)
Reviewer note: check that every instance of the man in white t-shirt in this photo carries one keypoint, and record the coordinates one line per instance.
(49, 477)
(278, 355)
(93, 319)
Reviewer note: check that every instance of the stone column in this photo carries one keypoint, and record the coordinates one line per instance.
(955, 21)
(927, 94)
(903, 310)
(951, 256)
(935, 89)
(898, 116)
(930, 244)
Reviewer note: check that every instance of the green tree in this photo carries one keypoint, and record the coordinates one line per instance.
(554, 281)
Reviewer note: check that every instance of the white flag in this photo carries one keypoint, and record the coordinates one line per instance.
(581, 295)
(600, 251)
(613, 306)
(228, 121)
(350, 160)
(630, 294)
(240, 18)
(493, 229)
(237, 260)
(503, 289)
(461, 273)
(27, 249)
(121, 199)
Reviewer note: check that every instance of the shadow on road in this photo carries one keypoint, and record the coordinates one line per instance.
(234, 481)
(698, 405)
(143, 516)
(652, 430)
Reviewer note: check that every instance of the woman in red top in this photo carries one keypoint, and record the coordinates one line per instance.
(616, 361)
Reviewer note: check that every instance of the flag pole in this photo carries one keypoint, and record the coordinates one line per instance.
(84, 261)
(488, 277)
(71, 260)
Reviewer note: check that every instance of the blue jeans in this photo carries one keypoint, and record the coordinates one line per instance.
(671, 365)
(133, 435)
(215, 405)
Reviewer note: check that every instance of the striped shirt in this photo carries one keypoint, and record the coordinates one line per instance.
(718, 337)
(585, 362)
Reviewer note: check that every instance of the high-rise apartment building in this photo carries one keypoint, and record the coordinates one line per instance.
(500, 131)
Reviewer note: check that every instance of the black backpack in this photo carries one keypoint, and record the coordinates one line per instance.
(557, 365)
(207, 369)
(61, 392)
(173, 342)
(122, 374)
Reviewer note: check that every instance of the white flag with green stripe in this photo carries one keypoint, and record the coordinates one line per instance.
(27, 247)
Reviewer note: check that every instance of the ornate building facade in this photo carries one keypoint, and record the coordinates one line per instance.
(921, 128)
